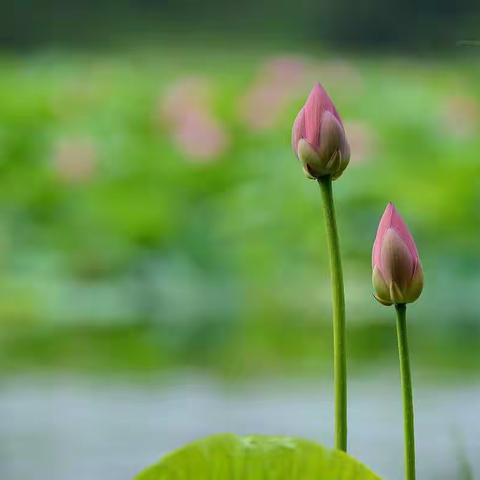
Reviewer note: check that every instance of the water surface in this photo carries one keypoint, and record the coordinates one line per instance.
(71, 428)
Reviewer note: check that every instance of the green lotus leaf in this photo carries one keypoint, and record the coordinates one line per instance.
(256, 457)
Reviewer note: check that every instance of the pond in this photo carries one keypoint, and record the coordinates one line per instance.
(78, 428)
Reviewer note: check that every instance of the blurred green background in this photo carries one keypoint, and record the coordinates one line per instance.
(154, 215)
(154, 218)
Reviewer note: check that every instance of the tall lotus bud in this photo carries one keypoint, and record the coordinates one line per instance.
(397, 271)
(318, 137)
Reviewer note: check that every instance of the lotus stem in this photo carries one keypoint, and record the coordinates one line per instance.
(338, 299)
(406, 380)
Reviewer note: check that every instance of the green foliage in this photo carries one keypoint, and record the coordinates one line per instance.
(225, 258)
(233, 457)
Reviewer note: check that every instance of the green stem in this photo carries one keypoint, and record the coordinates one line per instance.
(338, 297)
(406, 379)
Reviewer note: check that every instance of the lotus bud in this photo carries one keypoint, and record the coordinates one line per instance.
(318, 137)
(397, 271)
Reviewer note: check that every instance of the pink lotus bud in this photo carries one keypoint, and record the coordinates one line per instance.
(318, 137)
(397, 271)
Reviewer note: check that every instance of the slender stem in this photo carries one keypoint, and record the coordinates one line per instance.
(338, 297)
(406, 379)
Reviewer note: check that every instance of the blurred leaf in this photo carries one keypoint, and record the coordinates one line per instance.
(233, 457)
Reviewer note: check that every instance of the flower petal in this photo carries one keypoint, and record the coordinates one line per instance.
(298, 130)
(317, 104)
(397, 263)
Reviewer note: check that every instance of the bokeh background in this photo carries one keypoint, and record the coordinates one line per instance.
(163, 271)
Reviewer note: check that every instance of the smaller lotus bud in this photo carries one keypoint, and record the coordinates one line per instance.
(318, 137)
(397, 271)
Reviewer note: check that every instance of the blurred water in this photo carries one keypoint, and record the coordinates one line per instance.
(70, 428)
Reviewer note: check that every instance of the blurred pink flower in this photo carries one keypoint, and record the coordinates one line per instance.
(276, 85)
(397, 271)
(318, 137)
(74, 160)
(185, 112)
(200, 136)
(341, 73)
(460, 116)
(289, 70)
(184, 96)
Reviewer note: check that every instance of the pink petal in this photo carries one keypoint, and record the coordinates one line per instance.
(298, 130)
(392, 219)
(397, 264)
(317, 103)
(400, 226)
(383, 226)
